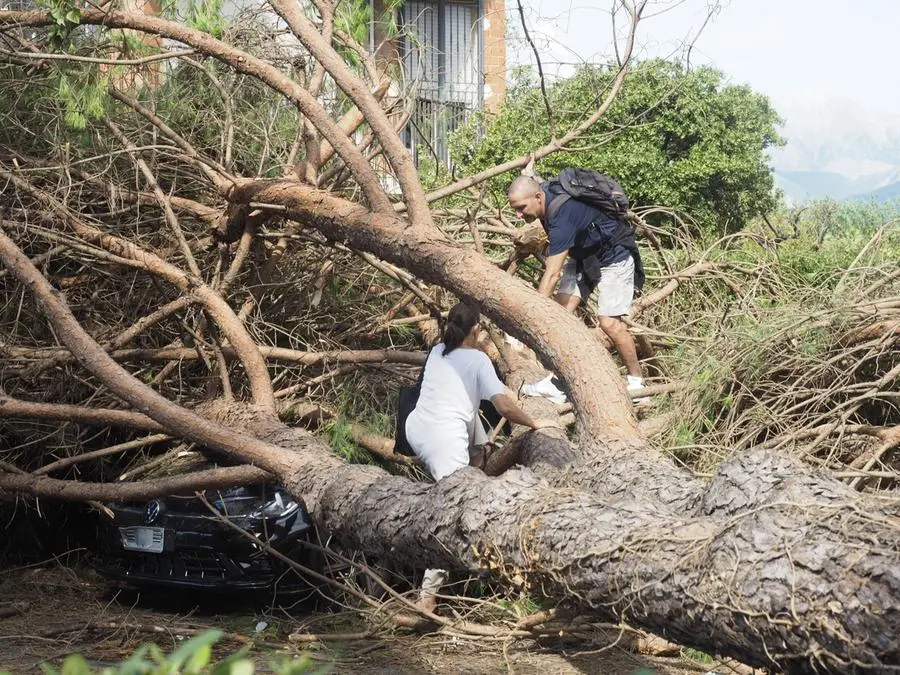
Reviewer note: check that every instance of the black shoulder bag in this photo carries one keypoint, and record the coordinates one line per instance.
(406, 403)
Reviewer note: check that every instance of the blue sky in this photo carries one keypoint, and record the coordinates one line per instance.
(829, 66)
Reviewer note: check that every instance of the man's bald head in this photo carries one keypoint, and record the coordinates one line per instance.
(522, 186)
(526, 198)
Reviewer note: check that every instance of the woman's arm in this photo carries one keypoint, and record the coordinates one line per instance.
(511, 411)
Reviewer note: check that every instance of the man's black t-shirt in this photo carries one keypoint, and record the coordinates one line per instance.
(569, 230)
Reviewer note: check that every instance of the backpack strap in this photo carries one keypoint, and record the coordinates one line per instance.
(623, 235)
(555, 205)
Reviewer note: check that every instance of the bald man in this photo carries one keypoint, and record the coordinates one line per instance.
(586, 250)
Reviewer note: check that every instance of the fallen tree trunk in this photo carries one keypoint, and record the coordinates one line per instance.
(561, 343)
(778, 566)
(769, 563)
(612, 457)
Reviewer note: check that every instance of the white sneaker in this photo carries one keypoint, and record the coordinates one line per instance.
(545, 388)
(634, 386)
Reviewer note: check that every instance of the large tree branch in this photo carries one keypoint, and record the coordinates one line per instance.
(350, 121)
(173, 419)
(295, 356)
(359, 93)
(674, 281)
(240, 61)
(560, 338)
(90, 456)
(781, 567)
(11, 408)
(69, 490)
(231, 327)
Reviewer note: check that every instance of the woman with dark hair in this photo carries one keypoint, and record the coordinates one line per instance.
(445, 424)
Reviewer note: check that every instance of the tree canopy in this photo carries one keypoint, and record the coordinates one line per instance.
(682, 138)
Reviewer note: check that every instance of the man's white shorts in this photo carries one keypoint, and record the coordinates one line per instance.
(614, 293)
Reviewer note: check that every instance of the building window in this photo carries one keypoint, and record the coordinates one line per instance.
(441, 52)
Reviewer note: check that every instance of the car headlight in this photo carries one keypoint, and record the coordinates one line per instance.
(281, 505)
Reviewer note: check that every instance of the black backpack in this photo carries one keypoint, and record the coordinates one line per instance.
(606, 195)
(592, 188)
(406, 403)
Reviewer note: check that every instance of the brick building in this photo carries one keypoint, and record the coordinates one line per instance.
(453, 57)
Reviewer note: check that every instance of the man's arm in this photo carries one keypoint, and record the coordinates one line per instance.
(552, 271)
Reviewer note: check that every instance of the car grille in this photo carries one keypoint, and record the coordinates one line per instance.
(197, 566)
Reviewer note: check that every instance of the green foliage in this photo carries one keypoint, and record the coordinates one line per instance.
(354, 18)
(831, 234)
(341, 441)
(68, 96)
(523, 606)
(66, 16)
(763, 355)
(130, 44)
(432, 173)
(382, 421)
(82, 91)
(207, 16)
(697, 656)
(194, 657)
(829, 218)
(684, 139)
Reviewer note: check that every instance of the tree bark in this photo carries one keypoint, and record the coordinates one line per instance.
(776, 566)
(305, 358)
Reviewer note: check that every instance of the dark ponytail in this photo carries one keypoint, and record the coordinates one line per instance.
(460, 320)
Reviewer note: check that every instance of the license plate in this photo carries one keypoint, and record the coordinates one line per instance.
(144, 539)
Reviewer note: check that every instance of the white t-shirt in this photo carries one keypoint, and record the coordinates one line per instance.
(445, 421)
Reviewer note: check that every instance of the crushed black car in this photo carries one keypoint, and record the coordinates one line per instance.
(178, 542)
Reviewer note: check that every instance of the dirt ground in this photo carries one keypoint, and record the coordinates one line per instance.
(49, 612)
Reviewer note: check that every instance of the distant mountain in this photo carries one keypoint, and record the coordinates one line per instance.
(887, 193)
(800, 186)
(803, 185)
(838, 136)
(838, 149)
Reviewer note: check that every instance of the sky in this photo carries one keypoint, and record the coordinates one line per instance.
(829, 66)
